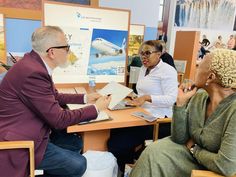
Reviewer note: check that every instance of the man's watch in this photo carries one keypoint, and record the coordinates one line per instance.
(193, 149)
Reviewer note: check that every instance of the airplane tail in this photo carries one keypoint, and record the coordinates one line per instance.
(123, 44)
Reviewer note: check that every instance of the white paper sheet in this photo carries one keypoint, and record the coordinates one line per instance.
(118, 92)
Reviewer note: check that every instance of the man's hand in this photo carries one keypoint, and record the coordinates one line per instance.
(103, 102)
(92, 97)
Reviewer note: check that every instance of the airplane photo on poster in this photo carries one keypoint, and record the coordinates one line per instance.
(107, 52)
(107, 48)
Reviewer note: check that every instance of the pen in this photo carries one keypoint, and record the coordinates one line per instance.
(13, 59)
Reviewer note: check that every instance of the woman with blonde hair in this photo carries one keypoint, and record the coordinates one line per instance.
(203, 126)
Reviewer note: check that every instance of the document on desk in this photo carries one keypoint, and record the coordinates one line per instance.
(76, 90)
(117, 91)
(101, 116)
(67, 90)
(144, 116)
(80, 90)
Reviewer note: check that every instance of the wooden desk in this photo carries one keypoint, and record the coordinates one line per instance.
(95, 135)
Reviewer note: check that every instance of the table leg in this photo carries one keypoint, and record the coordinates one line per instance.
(96, 140)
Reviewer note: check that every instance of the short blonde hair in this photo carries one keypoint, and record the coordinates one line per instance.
(223, 64)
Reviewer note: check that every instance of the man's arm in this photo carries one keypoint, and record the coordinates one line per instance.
(64, 99)
(37, 94)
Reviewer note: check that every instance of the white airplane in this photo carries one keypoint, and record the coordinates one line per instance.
(107, 48)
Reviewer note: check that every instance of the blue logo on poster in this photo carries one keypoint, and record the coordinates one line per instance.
(92, 19)
(79, 15)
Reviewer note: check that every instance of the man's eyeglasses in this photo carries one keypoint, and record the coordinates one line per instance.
(67, 47)
(147, 53)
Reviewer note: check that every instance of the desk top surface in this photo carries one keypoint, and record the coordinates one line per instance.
(120, 119)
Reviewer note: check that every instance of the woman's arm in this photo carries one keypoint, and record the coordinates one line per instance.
(224, 161)
(179, 125)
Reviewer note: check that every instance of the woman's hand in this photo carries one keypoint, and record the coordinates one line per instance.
(190, 143)
(185, 92)
(140, 100)
(132, 96)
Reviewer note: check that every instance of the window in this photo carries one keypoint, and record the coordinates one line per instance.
(161, 7)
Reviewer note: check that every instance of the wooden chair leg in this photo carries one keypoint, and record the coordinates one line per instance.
(31, 152)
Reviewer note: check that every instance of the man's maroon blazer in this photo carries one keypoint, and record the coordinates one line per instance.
(29, 108)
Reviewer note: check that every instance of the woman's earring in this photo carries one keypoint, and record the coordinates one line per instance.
(206, 84)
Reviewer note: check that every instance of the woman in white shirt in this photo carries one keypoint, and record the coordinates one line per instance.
(157, 89)
(157, 84)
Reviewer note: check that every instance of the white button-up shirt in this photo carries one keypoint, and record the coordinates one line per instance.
(162, 85)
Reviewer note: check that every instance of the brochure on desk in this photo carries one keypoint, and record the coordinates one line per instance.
(102, 116)
(117, 91)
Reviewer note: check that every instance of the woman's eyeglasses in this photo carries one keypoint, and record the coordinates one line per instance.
(147, 53)
(67, 47)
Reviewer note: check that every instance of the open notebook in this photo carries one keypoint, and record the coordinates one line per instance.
(118, 92)
(101, 116)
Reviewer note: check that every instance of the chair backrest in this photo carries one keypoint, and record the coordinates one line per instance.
(133, 74)
(21, 145)
(181, 68)
(180, 65)
(156, 126)
(204, 173)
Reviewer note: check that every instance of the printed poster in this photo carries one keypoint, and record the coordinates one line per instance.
(2, 40)
(136, 37)
(98, 39)
(209, 14)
